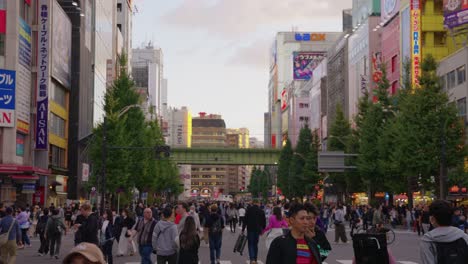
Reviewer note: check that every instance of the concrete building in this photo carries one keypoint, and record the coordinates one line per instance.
(364, 52)
(337, 79)
(179, 128)
(236, 138)
(209, 131)
(124, 26)
(147, 72)
(390, 30)
(294, 55)
(453, 71)
(255, 143)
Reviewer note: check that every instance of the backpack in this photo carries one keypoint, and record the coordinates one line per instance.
(56, 229)
(455, 252)
(216, 227)
(41, 225)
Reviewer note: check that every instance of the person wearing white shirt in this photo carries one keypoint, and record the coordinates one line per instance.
(241, 215)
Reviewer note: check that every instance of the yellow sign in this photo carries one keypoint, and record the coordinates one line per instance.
(466, 164)
(415, 42)
(22, 126)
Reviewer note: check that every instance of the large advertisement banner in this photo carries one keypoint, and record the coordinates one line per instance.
(42, 99)
(415, 42)
(61, 46)
(7, 98)
(304, 64)
(455, 13)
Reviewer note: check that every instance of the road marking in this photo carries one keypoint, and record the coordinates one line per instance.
(407, 262)
(345, 261)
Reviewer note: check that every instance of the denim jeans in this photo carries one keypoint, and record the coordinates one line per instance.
(44, 248)
(252, 239)
(145, 253)
(55, 243)
(25, 237)
(325, 224)
(215, 247)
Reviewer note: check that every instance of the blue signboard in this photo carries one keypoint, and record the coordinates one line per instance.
(7, 89)
(24, 54)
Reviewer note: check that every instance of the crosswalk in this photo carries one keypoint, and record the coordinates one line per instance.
(348, 261)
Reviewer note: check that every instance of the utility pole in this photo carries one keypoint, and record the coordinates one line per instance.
(103, 170)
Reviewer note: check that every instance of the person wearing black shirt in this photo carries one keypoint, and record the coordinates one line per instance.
(88, 228)
(255, 222)
(425, 222)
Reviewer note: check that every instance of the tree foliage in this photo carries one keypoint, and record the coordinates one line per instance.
(130, 161)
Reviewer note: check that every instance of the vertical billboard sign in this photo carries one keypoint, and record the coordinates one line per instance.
(415, 42)
(24, 55)
(304, 64)
(7, 98)
(42, 100)
(61, 46)
(2, 21)
(455, 13)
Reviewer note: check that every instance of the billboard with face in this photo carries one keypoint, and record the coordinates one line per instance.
(304, 64)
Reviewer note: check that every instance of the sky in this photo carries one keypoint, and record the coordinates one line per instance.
(216, 52)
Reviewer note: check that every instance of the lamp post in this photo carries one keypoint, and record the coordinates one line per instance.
(104, 153)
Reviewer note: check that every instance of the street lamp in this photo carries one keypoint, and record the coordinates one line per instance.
(104, 152)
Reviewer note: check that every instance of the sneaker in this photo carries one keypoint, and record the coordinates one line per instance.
(40, 254)
(218, 261)
(56, 257)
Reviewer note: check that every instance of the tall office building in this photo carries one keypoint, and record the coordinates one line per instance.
(147, 72)
(179, 132)
(237, 138)
(124, 26)
(294, 56)
(209, 131)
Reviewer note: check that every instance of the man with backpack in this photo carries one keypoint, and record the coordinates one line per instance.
(40, 229)
(215, 225)
(445, 244)
(54, 230)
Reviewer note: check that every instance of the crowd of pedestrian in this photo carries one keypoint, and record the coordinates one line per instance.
(294, 232)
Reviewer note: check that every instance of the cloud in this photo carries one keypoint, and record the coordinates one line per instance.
(254, 55)
(234, 18)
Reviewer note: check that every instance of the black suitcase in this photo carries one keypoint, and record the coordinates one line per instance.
(370, 248)
(240, 244)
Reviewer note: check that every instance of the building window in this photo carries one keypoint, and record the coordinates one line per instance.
(442, 83)
(59, 95)
(304, 118)
(438, 7)
(451, 79)
(119, 26)
(119, 7)
(394, 87)
(461, 75)
(461, 105)
(57, 156)
(440, 39)
(303, 105)
(24, 11)
(394, 62)
(57, 125)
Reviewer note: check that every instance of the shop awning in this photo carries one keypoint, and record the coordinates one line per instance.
(24, 177)
(20, 169)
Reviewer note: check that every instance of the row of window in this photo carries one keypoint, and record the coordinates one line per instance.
(453, 78)
(461, 106)
(302, 105)
(207, 176)
(207, 183)
(208, 169)
(304, 118)
(208, 134)
(57, 156)
(57, 125)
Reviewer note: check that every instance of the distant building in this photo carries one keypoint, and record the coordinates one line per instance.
(208, 181)
(255, 143)
(179, 131)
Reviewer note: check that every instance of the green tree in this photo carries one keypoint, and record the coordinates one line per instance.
(372, 123)
(284, 169)
(429, 132)
(310, 171)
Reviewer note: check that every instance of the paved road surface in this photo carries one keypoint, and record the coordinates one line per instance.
(405, 249)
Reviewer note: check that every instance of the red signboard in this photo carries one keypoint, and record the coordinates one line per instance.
(2, 21)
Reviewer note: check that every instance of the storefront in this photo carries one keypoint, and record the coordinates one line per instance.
(19, 184)
(57, 190)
